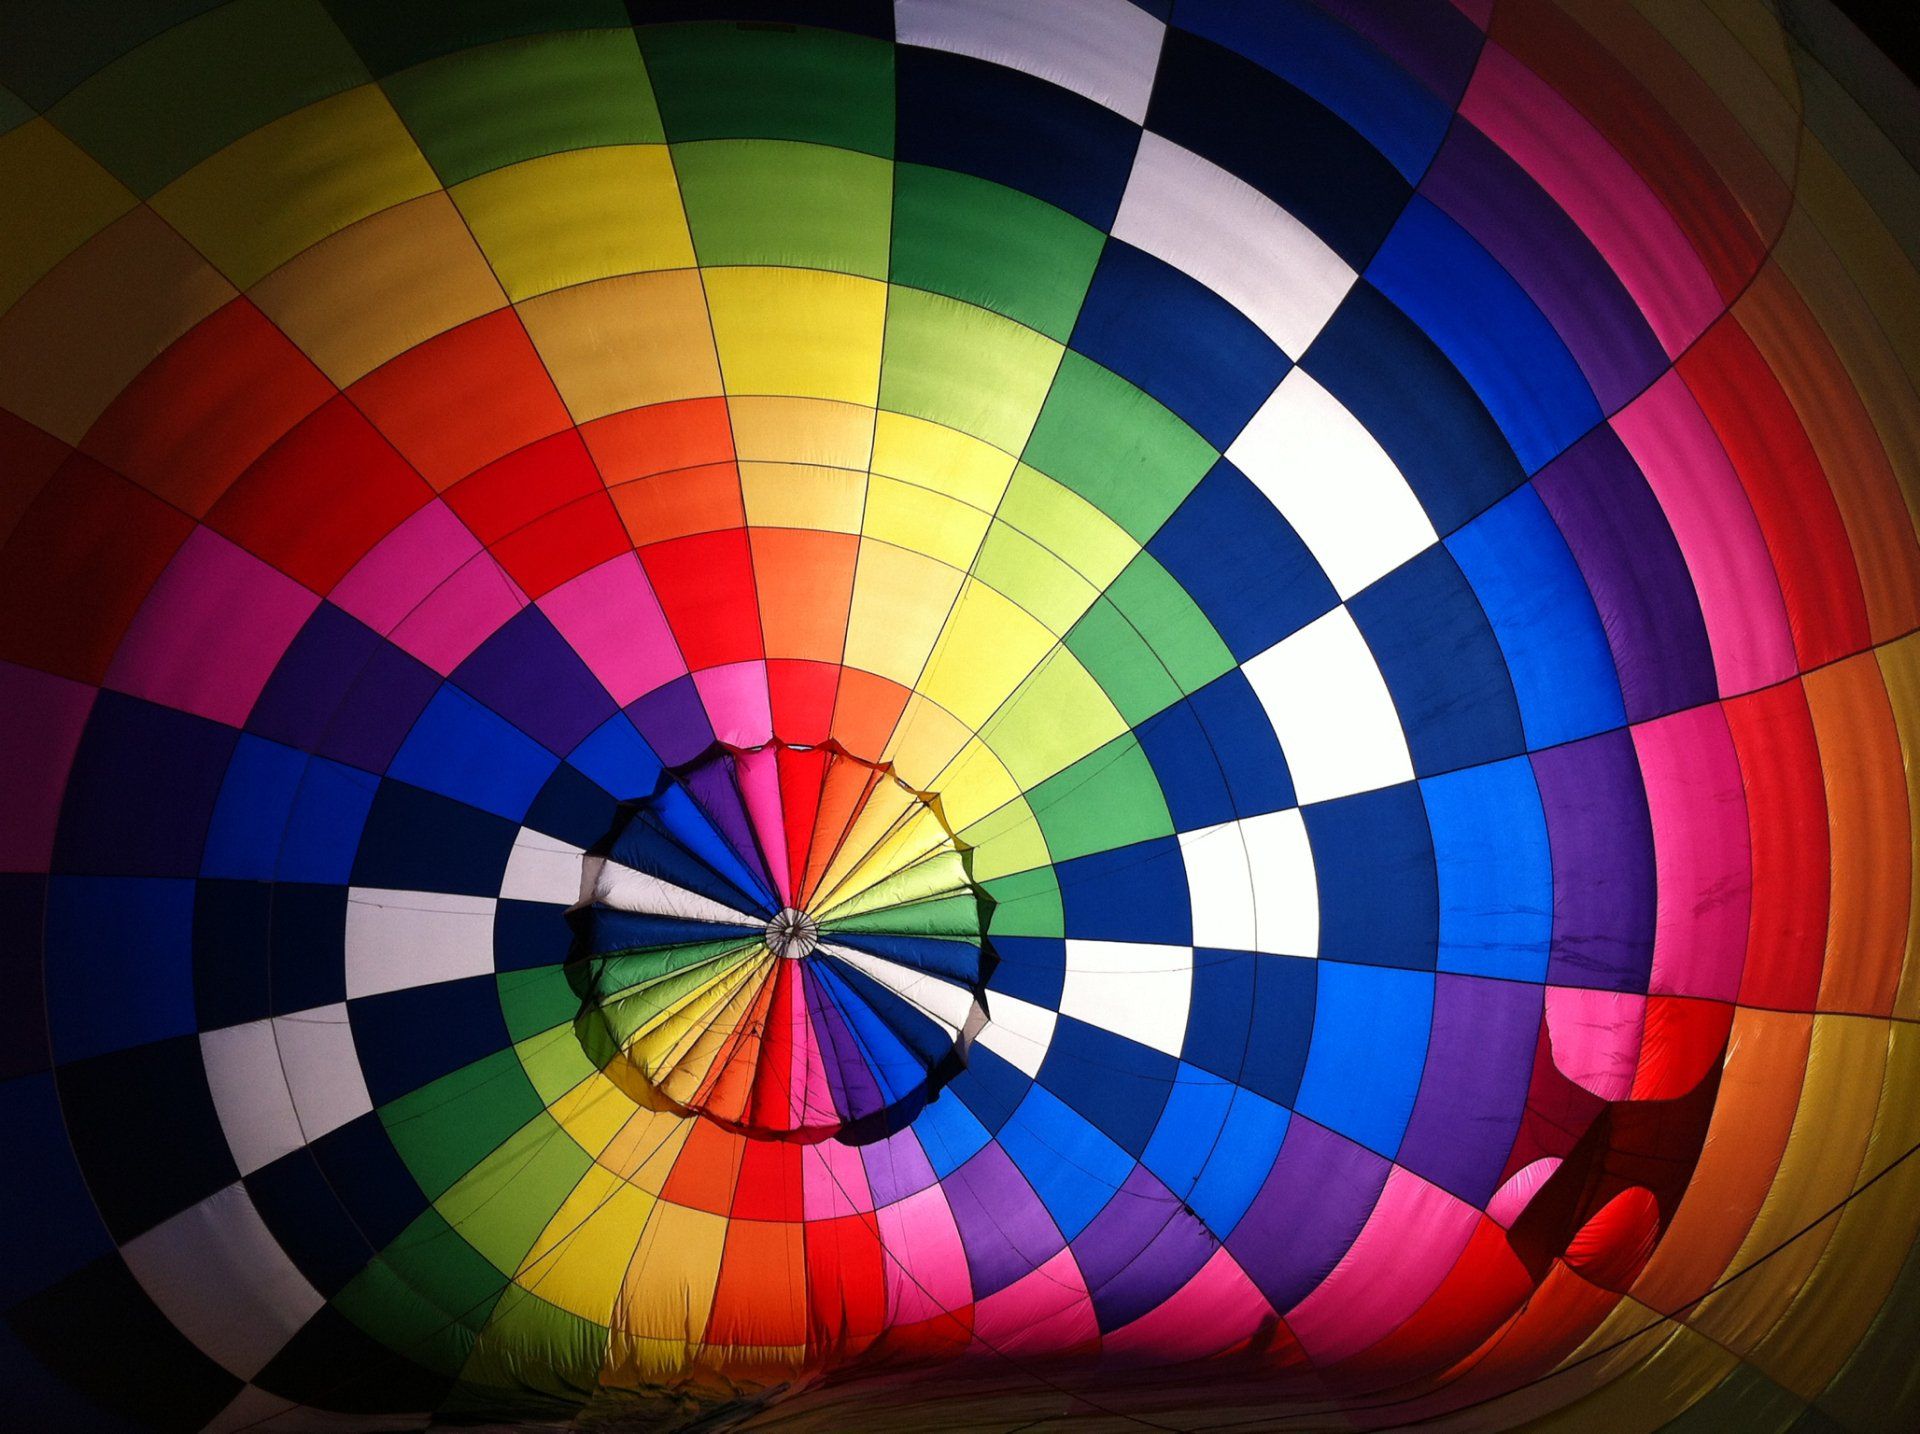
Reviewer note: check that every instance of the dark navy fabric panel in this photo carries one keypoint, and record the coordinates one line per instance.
(1251, 1019)
(24, 1045)
(1373, 862)
(859, 17)
(1491, 331)
(1437, 653)
(1000, 124)
(118, 962)
(1131, 893)
(43, 1191)
(1171, 336)
(1031, 968)
(306, 1217)
(369, 1179)
(231, 921)
(408, 1038)
(1238, 729)
(1242, 563)
(417, 841)
(529, 934)
(343, 691)
(1117, 1084)
(307, 928)
(1289, 146)
(572, 808)
(1308, 48)
(1418, 408)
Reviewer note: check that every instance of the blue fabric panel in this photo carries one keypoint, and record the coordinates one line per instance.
(1251, 1018)
(467, 854)
(461, 750)
(1031, 968)
(949, 1133)
(408, 1038)
(300, 1208)
(24, 1048)
(369, 1179)
(119, 962)
(990, 1087)
(1373, 863)
(677, 813)
(1418, 408)
(1286, 144)
(1370, 1028)
(963, 114)
(1072, 1167)
(1131, 893)
(1495, 871)
(1118, 1084)
(1544, 619)
(1233, 553)
(527, 934)
(1311, 50)
(1491, 330)
(617, 759)
(308, 933)
(231, 920)
(1171, 336)
(43, 1192)
(1215, 1145)
(572, 808)
(957, 960)
(1437, 653)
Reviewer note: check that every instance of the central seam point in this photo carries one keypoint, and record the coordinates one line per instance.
(792, 934)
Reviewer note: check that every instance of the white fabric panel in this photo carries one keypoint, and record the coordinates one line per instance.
(1321, 468)
(250, 1094)
(1232, 238)
(626, 889)
(1106, 50)
(1019, 1031)
(1330, 708)
(1133, 989)
(218, 1274)
(323, 1068)
(938, 1000)
(542, 868)
(400, 939)
(1252, 885)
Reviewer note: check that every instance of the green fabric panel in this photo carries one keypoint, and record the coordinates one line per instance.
(726, 82)
(45, 50)
(1109, 798)
(1745, 1400)
(951, 916)
(155, 113)
(571, 1352)
(794, 205)
(1116, 447)
(1881, 1379)
(536, 1000)
(504, 1202)
(965, 367)
(446, 1127)
(992, 246)
(394, 34)
(14, 111)
(483, 109)
(1182, 639)
(631, 972)
(1033, 577)
(427, 1295)
(1122, 663)
(1027, 904)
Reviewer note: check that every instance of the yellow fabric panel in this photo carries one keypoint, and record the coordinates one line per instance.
(289, 184)
(924, 522)
(1821, 1163)
(1870, 1238)
(53, 198)
(585, 214)
(378, 287)
(580, 1260)
(801, 430)
(798, 331)
(594, 1112)
(1900, 668)
(943, 459)
(1757, 34)
(648, 1145)
(98, 317)
(625, 342)
(900, 602)
(987, 648)
(796, 495)
(1869, 253)
(924, 743)
(1059, 715)
(1647, 1382)
(666, 1297)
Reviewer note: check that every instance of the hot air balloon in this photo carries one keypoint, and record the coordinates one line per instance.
(958, 714)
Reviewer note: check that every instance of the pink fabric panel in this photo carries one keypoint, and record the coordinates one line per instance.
(760, 785)
(45, 716)
(405, 567)
(833, 1181)
(1595, 1037)
(610, 616)
(926, 1264)
(1045, 1311)
(1215, 1310)
(460, 614)
(736, 700)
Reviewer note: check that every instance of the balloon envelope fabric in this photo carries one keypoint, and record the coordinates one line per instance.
(958, 714)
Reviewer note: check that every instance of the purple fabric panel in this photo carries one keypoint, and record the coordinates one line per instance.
(528, 674)
(1319, 1193)
(855, 1091)
(1474, 1088)
(1633, 567)
(1429, 39)
(896, 1168)
(673, 721)
(343, 691)
(1140, 1250)
(1601, 836)
(1496, 202)
(712, 785)
(1004, 1228)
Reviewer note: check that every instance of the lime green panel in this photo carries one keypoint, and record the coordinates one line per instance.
(1116, 447)
(504, 1202)
(554, 1061)
(392, 35)
(1027, 904)
(427, 1295)
(483, 109)
(729, 82)
(777, 202)
(1109, 798)
(159, 110)
(1180, 635)
(961, 366)
(448, 1126)
(1122, 663)
(1064, 523)
(1026, 573)
(536, 1000)
(989, 245)
(571, 1353)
